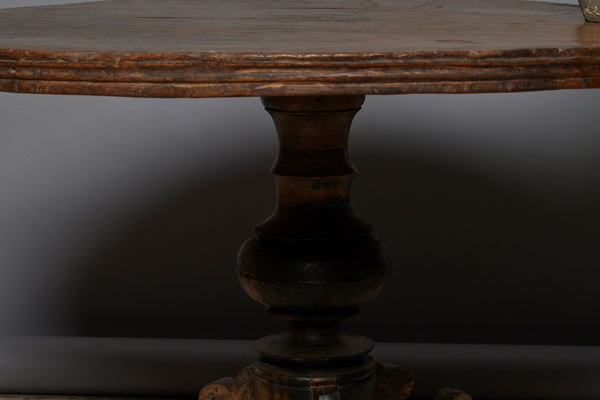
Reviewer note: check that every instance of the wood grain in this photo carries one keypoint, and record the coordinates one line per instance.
(183, 48)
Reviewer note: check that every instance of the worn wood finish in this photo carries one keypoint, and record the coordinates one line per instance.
(451, 394)
(313, 255)
(313, 262)
(263, 381)
(272, 47)
(394, 382)
(239, 388)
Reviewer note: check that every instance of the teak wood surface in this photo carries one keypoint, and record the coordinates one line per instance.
(184, 48)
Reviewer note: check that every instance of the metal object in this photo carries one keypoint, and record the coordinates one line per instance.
(590, 9)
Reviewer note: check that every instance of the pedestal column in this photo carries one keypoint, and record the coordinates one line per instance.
(313, 263)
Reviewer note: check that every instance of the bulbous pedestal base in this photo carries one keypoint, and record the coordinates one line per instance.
(312, 263)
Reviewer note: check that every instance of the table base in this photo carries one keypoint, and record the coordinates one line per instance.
(313, 262)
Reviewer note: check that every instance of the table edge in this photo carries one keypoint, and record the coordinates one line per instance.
(140, 74)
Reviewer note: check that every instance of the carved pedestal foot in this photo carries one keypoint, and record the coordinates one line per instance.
(391, 383)
(366, 381)
(239, 388)
(451, 394)
(258, 383)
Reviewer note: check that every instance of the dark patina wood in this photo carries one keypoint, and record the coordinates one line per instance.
(313, 262)
(272, 47)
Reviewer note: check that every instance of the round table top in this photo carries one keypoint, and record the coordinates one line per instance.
(186, 48)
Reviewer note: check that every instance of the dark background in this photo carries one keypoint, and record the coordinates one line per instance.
(122, 217)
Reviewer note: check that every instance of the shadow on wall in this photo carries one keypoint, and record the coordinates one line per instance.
(474, 261)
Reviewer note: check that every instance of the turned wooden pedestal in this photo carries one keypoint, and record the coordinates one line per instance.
(313, 262)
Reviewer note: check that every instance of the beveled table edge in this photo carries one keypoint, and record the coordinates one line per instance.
(253, 74)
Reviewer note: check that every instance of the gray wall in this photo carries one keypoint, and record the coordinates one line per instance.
(122, 217)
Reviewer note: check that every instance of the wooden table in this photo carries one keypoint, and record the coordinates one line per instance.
(313, 262)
